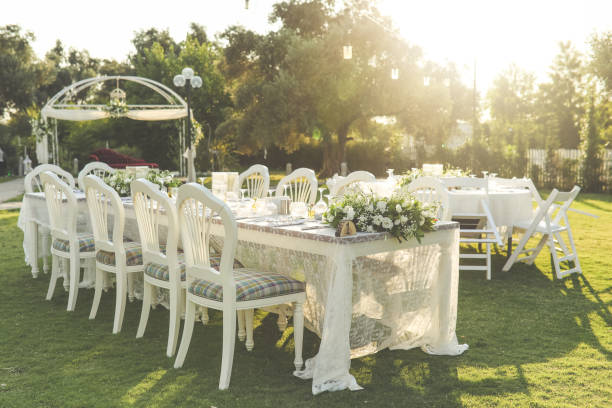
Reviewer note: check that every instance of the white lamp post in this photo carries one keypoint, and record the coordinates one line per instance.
(187, 79)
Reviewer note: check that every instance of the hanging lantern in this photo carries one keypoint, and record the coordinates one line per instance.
(347, 51)
(394, 73)
(117, 95)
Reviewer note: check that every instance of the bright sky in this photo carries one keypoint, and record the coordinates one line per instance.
(494, 32)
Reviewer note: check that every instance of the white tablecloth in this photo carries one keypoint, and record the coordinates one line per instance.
(364, 293)
(507, 206)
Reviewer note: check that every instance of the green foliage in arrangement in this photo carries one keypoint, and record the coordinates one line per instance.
(534, 341)
(401, 215)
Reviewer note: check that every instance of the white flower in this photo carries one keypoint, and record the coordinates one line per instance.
(370, 207)
(396, 222)
(387, 223)
(403, 219)
(398, 208)
(370, 228)
(421, 220)
(377, 220)
(350, 212)
(330, 218)
(381, 206)
(363, 218)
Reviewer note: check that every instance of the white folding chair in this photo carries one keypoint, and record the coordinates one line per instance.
(96, 168)
(257, 181)
(550, 228)
(162, 266)
(32, 184)
(339, 189)
(113, 255)
(430, 190)
(476, 227)
(301, 186)
(227, 289)
(67, 243)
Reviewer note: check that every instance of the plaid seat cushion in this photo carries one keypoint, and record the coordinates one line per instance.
(86, 244)
(160, 271)
(133, 255)
(250, 285)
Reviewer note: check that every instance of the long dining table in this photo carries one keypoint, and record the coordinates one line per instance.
(365, 292)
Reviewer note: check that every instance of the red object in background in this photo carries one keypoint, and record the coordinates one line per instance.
(117, 160)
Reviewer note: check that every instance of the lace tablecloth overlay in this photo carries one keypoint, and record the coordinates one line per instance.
(365, 292)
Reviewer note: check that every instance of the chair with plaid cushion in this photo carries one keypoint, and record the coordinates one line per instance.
(67, 243)
(113, 255)
(227, 289)
(162, 266)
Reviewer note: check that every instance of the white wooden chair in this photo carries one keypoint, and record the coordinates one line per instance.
(67, 243)
(257, 181)
(477, 227)
(301, 186)
(338, 189)
(32, 184)
(227, 289)
(162, 266)
(96, 168)
(113, 255)
(430, 190)
(550, 228)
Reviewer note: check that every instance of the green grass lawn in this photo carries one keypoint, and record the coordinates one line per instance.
(534, 341)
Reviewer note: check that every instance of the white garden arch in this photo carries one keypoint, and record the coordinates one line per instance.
(61, 107)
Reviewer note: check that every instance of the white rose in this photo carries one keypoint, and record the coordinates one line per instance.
(370, 228)
(387, 223)
(396, 222)
(398, 208)
(350, 214)
(377, 220)
(381, 206)
(370, 207)
(403, 219)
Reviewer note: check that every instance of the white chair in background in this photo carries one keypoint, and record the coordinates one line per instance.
(477, 226)
(96, 168)
(430, 190)
(67, 243)
(338, 189)
(162, 266)
(550, 230)
(227, 289)
(257, 181)
(32, 184)
(113, 255)
(301, 186)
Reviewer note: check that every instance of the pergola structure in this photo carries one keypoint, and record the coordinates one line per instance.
(61, 107)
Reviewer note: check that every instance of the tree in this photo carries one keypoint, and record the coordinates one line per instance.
(17, 69)
(561, 101)
(293, 84)
(601, 63)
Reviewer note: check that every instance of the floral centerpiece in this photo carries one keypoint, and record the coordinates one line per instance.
(120, 180)
(401, 215)
(116, 108)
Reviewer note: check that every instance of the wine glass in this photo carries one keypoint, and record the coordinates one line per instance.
(484, 174)
(390, 173)
(321, 190)
(243, 193)
(285, 187)
(271, 192)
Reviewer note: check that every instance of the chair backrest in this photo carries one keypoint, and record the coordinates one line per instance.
(257, 180)
(517, 183)
(32, 182)
(152, 207)
(559, 201)
(301, 186)
(104, 203)
(61, 205)
(430, 190)
(97, 168)
(340, 187)
(196, 206)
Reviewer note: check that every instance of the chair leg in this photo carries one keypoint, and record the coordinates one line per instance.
(97, 294)
(130, 287)
(54, 276)
(175, 321)
(121, 294)
(298, 334)
(204, 315)
(187, 332)
(65, 267)
(555, 257)
(146, 308)
(282, 318)
(45, 252)
(241, 325)
(227, 355)
(248, 318)
(488, 259)
(75, 271)
(32, 232)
